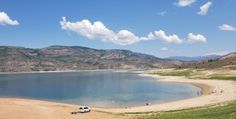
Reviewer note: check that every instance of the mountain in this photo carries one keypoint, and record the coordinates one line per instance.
(58, 58)
(228, 60)
(228, 56)
(194, 59)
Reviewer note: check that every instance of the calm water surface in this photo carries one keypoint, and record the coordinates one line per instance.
(100, 89)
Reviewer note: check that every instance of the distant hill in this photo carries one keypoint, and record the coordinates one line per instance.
(58, 58)
(228, 60)
(194, 59)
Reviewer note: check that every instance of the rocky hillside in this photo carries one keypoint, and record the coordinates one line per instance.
(228, 60)
(194, 59)
(57, 58)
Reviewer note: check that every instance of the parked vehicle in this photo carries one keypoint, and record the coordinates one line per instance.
(84, 109)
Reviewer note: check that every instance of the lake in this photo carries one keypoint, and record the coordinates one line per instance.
(95, 88)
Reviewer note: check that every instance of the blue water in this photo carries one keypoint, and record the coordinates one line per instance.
(99, 89)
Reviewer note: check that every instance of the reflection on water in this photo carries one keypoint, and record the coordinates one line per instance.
(101, 89)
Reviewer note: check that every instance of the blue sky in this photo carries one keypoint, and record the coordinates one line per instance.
(177, 27)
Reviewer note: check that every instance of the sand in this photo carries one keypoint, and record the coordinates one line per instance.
(214, 92)
(13, 108)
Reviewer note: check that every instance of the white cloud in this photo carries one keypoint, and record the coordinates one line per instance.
(185, 3)
(226, 27)
(150, 36)
(196, 38)
(99, 31)
(170, 39)
(162, 13)
(6, 20)
(204, 8)
(164, 49)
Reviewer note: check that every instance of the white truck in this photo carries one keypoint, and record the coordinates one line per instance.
(84, 109)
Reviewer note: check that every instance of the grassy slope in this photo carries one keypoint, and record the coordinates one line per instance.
(186, 73)
(220, 112)
(220, 77)
(227, 111)
(196, 74)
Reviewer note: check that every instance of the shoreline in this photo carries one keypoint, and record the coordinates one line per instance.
(213, 92)
(205, 89)
(71, 71)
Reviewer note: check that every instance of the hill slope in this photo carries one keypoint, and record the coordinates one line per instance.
(228, 60)
(57, 58)
(194, 59)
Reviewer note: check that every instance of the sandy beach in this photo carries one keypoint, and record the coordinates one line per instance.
(13, 108)
(214, 92)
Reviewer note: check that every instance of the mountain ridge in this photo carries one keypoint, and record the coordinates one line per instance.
(194, 58)
(227, 61)
(59, 58)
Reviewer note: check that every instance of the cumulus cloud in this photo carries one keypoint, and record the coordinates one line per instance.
(150, 36)
(99, 31)
(6, 20)
(196, 38)
(204, 8)
(226, 27)
(185, 3)
(168, 38)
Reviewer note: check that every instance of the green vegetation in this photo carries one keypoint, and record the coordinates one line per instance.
(219, 112)
(186, 73)
(224, 77)
(212, 60)
(198, 73)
